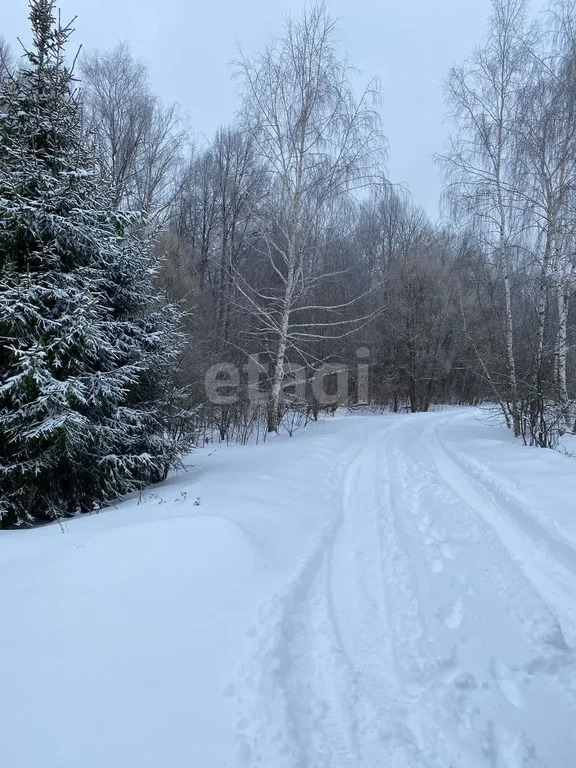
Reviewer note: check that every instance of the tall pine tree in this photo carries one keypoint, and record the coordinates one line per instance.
(86, 347)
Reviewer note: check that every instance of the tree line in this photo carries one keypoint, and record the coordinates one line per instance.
(133, 261)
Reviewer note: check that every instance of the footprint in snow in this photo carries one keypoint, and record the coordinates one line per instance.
(507, 681)
(452, 615)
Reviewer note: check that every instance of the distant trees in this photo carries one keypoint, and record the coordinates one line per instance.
(300, 252)
(288, 246)
(138, 141)
(511, 171)
(416, 338)
(86, 346)
(6, 63)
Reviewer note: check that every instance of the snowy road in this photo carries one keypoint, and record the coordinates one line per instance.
(421, 633)
(377, 592)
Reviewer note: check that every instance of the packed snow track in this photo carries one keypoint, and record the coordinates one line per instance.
(376, 592)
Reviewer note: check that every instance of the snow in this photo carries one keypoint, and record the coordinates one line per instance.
(376, 591)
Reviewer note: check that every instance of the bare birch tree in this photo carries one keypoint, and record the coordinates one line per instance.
(485, 95)
(562, 165)
(546, 181)
(318, 142)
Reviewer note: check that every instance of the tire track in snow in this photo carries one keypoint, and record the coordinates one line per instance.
(325, 649)
(541, 626)
(422, 664)
(552, 559)
(552, 657)
(358, 597)
(297, 711)
(494, 611)
(372, 606)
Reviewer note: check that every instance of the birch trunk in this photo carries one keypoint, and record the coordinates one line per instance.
(280, 357)
(514, 405)
(563, 298)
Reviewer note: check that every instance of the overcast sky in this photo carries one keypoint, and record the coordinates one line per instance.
(188, 44)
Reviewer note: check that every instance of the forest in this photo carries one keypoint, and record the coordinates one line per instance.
(157, 292)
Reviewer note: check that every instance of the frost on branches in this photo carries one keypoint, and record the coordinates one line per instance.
(86, 347)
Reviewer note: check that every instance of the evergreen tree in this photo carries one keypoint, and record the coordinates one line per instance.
(86, 347)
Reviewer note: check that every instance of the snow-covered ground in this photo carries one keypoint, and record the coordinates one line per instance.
(375, 592)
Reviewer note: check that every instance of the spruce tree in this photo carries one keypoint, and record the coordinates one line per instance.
(86, 346)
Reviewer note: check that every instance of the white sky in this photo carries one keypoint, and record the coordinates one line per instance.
(188, 44)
